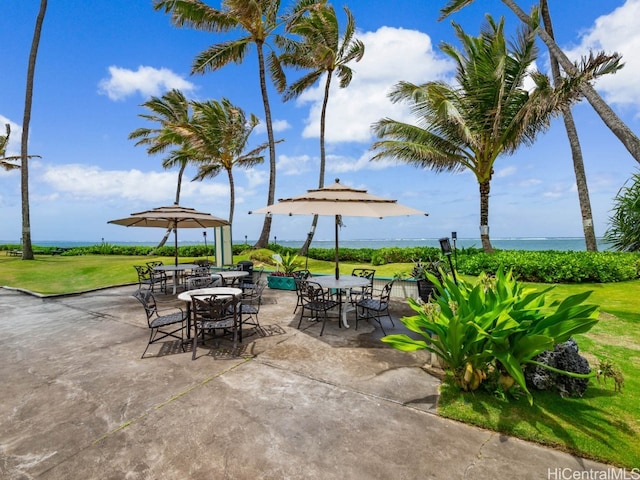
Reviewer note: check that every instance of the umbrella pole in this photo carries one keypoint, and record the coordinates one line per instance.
(336, 254)
(175, 236)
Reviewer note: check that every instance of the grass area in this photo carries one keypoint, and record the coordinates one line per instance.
(59, 274)
(603, 425)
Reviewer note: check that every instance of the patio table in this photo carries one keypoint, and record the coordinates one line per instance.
(229, 277)
(181, 267)
(186, 297)
(344, 282)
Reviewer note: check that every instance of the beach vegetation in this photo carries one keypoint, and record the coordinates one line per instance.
(493, 328)
(624, 224)
(621, 130)
(219, 134)
(602, 424)
(168, 112)
(256, 23)
(486, 113)
(550, 266)
(316, 44)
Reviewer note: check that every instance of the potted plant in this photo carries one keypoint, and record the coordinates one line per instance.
(283, 278)
(426, 288)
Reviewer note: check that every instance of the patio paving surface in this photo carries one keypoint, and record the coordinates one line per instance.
(78, 402)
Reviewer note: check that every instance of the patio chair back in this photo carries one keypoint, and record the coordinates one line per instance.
(161, 324)
(250, 304)
(315, 300)
(357, 294)
(216, 312)
(148, 278)
(375, 308)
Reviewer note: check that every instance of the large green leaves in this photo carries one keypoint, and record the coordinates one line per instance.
(495, 321)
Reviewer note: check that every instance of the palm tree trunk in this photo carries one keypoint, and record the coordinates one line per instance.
(183, 166)
(323, 116)
(485, 188)
(263, 241)
(574, 142)
(608, 116)
(232, 195)
(27, 248)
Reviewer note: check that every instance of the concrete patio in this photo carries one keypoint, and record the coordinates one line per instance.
(77, 402)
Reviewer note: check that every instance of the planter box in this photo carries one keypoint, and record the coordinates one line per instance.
(426, 289)
(281, 283)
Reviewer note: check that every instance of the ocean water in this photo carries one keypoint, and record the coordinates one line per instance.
(535, 244)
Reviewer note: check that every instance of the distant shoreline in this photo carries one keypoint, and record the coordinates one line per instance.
(513, 243)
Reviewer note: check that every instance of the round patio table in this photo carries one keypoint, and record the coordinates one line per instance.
(181, 267)
(186, 297)
(344, 282)
(229, 277)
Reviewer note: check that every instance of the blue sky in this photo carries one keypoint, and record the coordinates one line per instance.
(98, 61)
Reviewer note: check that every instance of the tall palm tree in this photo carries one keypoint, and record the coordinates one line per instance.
(258, 19)
(322, 50)
(574, 143)
(487, 112)
(27, 248)
(219, 133)
(169, 112)
(608, 116)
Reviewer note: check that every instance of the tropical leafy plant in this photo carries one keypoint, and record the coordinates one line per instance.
(624, 224)
(288, 263)
(494, 325)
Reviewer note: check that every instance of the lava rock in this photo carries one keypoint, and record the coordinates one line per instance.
(564, 356)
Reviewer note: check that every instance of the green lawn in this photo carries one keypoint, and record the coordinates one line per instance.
(602, 425)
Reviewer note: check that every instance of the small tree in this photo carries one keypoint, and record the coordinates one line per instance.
(624, 228)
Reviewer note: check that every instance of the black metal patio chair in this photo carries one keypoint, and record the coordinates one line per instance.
(374, 308)
(314, 300)
(212, 313)
(162, 323)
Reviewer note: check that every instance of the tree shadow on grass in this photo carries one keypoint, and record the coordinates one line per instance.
(572, 424)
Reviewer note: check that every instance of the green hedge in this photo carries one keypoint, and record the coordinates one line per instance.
(555, 266)
(532, 266)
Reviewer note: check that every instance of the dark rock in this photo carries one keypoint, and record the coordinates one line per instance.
(564, 356)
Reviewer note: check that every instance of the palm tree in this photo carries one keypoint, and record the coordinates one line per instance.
(258, 20)
(322, 50)
(487, 112)
(219, 133)
(574, 142)
(7, 162)
(608, 116)
(169, 112)
(624, 225)
(27, 248)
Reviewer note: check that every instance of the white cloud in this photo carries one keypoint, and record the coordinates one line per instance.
(353, 109)
(93, 183)
(616, 32)
(529, 182)
(256, 178)
(278, 126)
(147, 81)
(294, 165)
(506, 172)
(341, 164)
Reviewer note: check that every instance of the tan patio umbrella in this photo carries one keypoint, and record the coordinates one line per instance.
(174, 217)
(338, 200)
